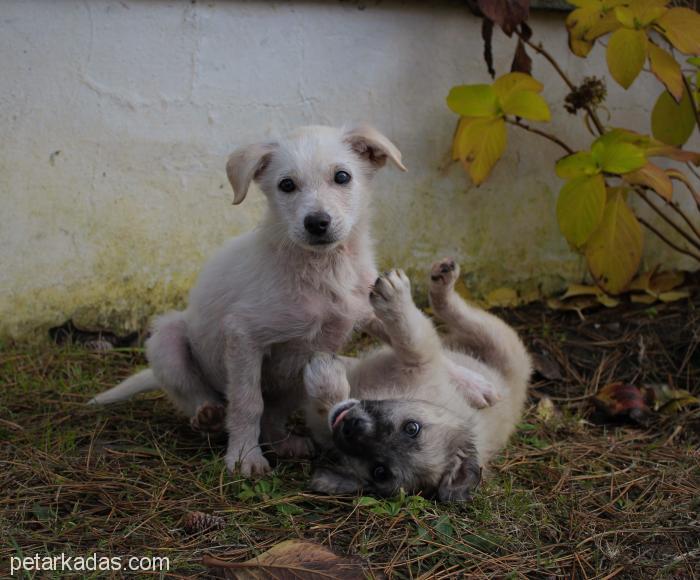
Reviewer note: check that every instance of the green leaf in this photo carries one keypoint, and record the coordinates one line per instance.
(473, 101)
(527, 105)
(682, 28)
(618, 157)
(614, 251)
(576, 165)
(667, 70)
(580, 208)
(367, 501)
(627, 51)
(671, 122)
(515, 81)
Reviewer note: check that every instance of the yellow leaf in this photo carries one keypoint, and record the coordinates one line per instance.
(527, 105)
(654, 177)
(580, 208)
(485, 142)
(627, 51)
(605, 300)
(515, 81)
(666, 281)
(614, 250)
(673, 122)
(667, 70)
(682, 28)
(643, 298)
(460, 147)
(473, 101)
(587, 23)
(674, 295)
(579, 290)
(640, 13)
(504, 297)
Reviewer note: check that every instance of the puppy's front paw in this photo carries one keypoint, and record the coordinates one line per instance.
(249, 464)
(390, 294)
(209, 418)
(325, 378)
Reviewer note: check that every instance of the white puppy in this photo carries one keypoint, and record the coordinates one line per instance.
(269, 298)
(412, 422)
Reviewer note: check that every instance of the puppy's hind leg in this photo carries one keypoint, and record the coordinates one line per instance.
(413, 337)
(478, 333)
(174, 366)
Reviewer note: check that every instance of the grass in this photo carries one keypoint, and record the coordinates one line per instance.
(568, 498)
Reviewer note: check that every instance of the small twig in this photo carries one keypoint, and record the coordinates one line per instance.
(541, 133)
(695, 195)
(667, 219)
(675, 206)
(667, 241)
(693, 171)
(540, 50)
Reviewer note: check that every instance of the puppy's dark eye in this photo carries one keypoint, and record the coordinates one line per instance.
(380, 473)
(342, 177)
(287, 185)
(411, 428)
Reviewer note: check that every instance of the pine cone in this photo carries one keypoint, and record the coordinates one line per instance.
(199, 522)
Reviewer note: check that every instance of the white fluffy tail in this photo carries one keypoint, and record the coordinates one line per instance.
(139, 383)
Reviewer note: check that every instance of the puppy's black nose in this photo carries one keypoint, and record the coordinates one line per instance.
(353, 426)
(317, 223)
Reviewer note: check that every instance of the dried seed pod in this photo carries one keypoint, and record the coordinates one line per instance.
(199, 522)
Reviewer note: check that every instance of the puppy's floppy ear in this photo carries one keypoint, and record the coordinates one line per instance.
(246, 164)
(461, 478)
(332, 482)
(371, 145)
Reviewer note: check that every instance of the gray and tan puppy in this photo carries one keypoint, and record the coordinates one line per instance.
(404, 416)
(270, 298)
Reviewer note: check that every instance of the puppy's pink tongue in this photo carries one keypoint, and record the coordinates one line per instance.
(339, 418)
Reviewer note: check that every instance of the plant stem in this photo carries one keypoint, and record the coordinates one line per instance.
(540, 50)
(679, 211)
(668, 220)
(689, 90)
(667, 241)
(541, 133)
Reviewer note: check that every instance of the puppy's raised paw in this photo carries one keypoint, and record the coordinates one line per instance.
(390, 294)
(209, 418)
(444, 273)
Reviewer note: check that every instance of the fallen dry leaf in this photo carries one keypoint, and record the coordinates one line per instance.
(621, 401)
(668, 400)
(291, 559)
(504, 297)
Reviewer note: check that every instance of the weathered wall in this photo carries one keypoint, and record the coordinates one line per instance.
(117, 118)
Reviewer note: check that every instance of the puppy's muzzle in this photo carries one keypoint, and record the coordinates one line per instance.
(318, 226)
(352, 426)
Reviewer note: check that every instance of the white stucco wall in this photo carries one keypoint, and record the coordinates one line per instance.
(117, 118)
